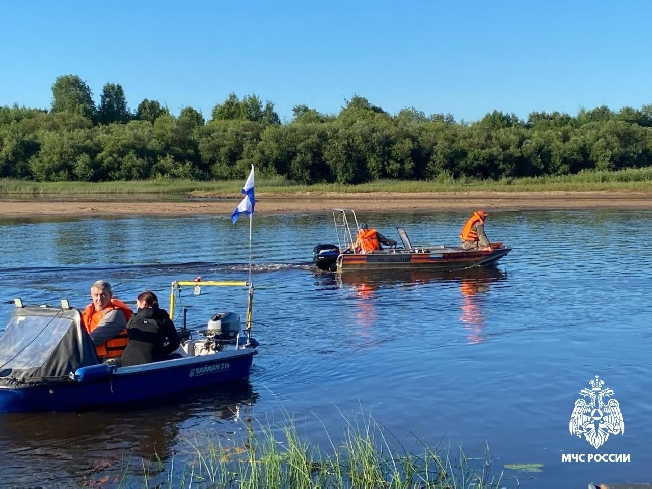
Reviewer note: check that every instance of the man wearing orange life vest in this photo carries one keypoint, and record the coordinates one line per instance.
(369, 240)
(105, 319)
(473, 236)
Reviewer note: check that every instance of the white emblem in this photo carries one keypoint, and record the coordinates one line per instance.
(596, 420)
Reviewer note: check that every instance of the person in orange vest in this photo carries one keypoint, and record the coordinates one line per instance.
(370, 240)
(473, 236)
(105, 319)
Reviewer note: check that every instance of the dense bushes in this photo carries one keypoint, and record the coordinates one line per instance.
(78, 141)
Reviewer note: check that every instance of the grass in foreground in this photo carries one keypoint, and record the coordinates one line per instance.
(366, 457)
(631, 180)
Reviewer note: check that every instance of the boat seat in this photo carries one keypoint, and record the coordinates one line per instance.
(404, 237)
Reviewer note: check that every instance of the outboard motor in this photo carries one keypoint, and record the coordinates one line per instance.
(224, 325)
(324, 256)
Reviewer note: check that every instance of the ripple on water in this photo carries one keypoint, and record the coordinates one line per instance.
(497, 356)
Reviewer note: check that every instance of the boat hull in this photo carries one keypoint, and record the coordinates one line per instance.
(130, 384)
(438, 260)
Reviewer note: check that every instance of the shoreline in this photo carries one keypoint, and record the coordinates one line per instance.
(324, 202)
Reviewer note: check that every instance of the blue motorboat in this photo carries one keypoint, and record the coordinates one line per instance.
(48, 361)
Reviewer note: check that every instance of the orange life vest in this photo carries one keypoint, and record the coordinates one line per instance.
(367, 241)
(468, 233)
(92, 318)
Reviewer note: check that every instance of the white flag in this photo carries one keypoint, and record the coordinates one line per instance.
(248, 203)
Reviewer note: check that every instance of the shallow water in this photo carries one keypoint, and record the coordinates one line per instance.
(497, 356)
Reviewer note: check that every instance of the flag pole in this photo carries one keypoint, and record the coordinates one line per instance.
(251, 220)
(250, 304)
(247, 206)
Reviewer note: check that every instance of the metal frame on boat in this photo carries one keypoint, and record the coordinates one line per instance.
(48, 361)
(343, 257)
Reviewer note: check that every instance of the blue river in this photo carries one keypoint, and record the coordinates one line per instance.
(493, 357)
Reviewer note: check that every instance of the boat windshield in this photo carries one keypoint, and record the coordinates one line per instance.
(29, 340)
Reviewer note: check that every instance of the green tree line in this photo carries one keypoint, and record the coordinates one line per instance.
(78, 140)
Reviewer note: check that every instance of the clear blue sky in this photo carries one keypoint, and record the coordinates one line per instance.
(466, 58)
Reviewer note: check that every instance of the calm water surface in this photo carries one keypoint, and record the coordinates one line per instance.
(498, 356)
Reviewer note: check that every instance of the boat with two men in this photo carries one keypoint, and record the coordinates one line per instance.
(347, 255)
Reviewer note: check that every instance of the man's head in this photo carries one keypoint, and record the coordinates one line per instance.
(364, 226)
(101, 294)
(483, 215)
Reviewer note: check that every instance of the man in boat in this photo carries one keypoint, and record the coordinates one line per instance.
(370, 240)
(473, 236)
(105, 319)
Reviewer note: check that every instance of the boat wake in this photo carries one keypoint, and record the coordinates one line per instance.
(121, 269)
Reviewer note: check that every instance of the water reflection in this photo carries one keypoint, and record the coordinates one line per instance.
(366, 312)
(473, 315)
(367, 282)
(473, 284)
(366, 285)
(99, 447)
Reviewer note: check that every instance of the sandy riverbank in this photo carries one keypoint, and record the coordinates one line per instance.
(503, 201)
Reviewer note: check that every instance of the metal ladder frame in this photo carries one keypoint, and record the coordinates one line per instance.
(341, 221)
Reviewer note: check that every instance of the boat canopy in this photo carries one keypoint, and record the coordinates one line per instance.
(43, 345)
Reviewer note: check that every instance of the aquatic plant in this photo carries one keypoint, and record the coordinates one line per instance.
(366, 456)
